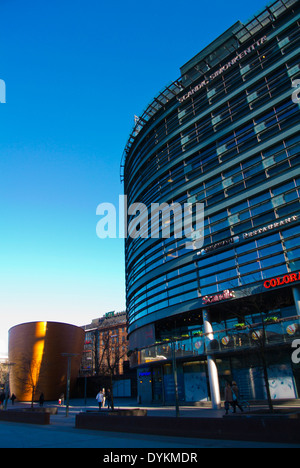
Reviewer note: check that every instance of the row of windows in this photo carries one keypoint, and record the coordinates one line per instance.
(278, 119)
(193, 325)
(207, 264)
(247, 214)
(271, 51)
(248, 99)
(252, 262)
(177, 248)
(172, 251)
(230, 179)
(195, 139)
(171, 122)
(222, 150)
(264, 90)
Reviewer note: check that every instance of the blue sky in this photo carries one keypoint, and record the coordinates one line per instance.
(76, 73)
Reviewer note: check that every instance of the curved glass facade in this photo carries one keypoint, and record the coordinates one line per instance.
(226, 135)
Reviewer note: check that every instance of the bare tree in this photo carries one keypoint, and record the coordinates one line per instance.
(3, 374)
(111, 357)
(254, 303)
(257, 305)
(28, 372)
(95, 352)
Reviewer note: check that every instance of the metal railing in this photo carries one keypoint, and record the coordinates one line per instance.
(271, 332)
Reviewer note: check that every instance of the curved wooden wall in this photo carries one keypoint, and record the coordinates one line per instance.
(35, 353)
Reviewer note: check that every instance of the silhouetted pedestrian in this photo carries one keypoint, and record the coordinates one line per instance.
(104, 397)
(99, 398)
(42, 399)
(228, 397)
(235, 396)
(108, 399)
(2, 398)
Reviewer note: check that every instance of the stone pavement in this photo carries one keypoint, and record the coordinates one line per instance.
(61, 433)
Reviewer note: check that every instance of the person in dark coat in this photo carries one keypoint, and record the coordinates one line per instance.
(2, 398)
(108, 399)
(235, 394)
(42, 399)
(228, 397)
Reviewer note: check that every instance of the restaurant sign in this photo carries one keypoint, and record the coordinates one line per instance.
(271, 227)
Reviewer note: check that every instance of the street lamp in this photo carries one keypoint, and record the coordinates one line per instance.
(69, 356)
(9, 365)
(175, 379)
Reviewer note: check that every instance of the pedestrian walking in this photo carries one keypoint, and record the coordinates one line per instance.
(99, 398)
(228, 397)
(2, 399)
(41, 399)
(13, 397)
(61, 400)
(108, 399)
(235, 396)
(104, 397)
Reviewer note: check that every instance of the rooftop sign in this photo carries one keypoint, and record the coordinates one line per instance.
(224, 68)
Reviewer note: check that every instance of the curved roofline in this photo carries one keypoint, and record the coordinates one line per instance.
(41, 321)
(241, 32)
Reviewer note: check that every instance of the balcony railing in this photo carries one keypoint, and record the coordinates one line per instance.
(271, 332)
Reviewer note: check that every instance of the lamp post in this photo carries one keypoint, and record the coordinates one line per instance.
(175, 379)
(69, 356)
(85, 382)
(9, 364)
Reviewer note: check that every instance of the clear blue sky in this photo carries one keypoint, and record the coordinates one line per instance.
(76, 73)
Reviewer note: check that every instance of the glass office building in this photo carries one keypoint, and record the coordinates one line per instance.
(225, 135)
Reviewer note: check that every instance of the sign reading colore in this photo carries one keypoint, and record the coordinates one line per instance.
(281, 280)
